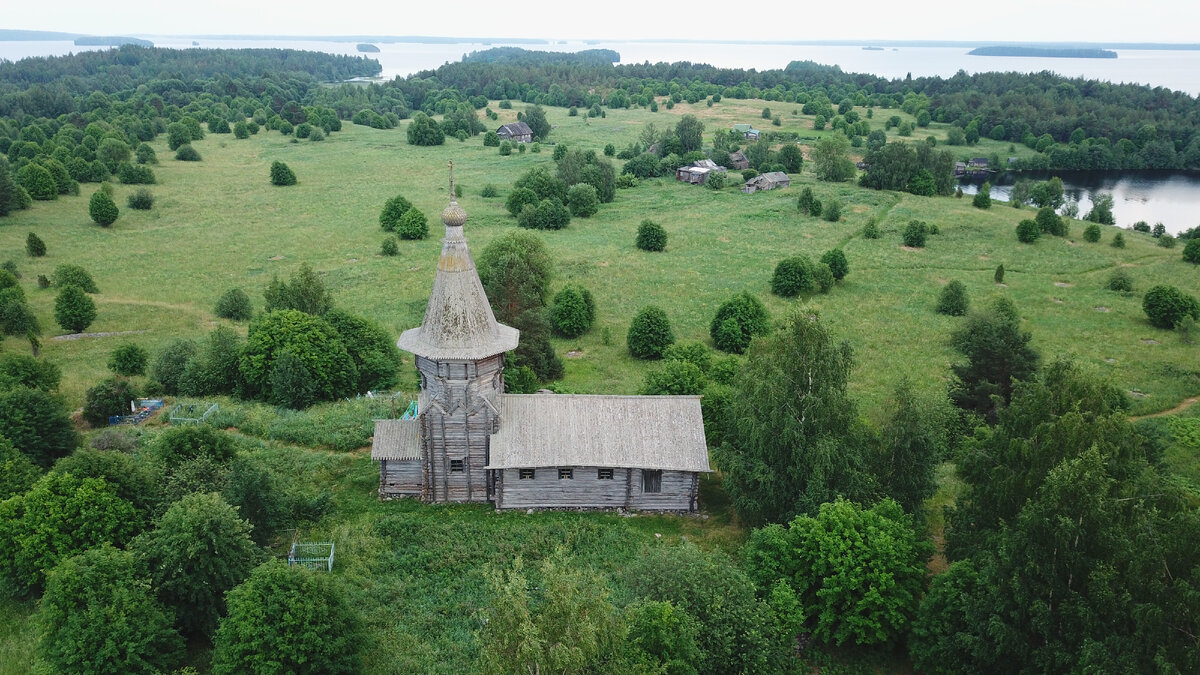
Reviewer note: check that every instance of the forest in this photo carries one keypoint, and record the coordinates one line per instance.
(936, 424)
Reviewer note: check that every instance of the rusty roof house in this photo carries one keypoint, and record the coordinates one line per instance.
(471, 442)
(698, 171)
(517, 132)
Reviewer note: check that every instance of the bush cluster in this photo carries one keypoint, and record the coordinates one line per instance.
(651, 236)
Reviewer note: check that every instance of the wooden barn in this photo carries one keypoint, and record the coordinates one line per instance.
(517, 132)
(471, 442)
(748, 132)
(738, 161)
(698, 171)
(766, 181)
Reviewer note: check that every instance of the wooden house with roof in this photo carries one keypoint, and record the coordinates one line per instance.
(738, 161)
(747, 131)
(698, 171)
(517, 132)
(471, 442)
(767, 181)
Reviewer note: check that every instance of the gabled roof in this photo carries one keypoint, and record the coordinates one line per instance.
(775, 176)
(459, 323)
(742, 128)
(737, 156)
(646, 432)
(516, 128)
(397, 439)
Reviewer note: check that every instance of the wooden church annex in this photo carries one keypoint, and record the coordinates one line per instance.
(471, 442)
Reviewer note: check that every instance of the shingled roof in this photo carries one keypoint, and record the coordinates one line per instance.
(645, 432)
(459, 323)
(396, 439)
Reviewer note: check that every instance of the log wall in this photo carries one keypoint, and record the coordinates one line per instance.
(585, 490)
(400, 478)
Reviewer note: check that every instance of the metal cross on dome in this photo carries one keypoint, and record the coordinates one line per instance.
(451, 180)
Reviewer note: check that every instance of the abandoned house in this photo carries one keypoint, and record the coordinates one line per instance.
(738, 161)
(470, 442)
(766, 181)
(517, 132)
(698, 171)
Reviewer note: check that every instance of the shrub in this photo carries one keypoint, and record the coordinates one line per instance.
(518, 199)
(793, 276)
(675, 378)
(1050, 222)
(837, 262)
(22, 370)
(281, 174)
(177, 445)
(832, 211)
(1166, 305)
(393, 210)
(186, 153)
(1120, 281)
(1166, 240)
(145, 154)
(651, 236)
(649, 333)
(109, 397)
(135, 174)
(34, 246)
(60, 516)
(310, 340)
(319, 135)
(1091, 233)
(737, 321)
(489, 191)
(953, 299)
(102, 209)
(287, 620)
(715, 181)
(99, 615)
(73, 275)
(573, 311)
(141, 200)
(128, 360)
(74, 310)
(413, 225)
(199, 550)
(983, 198)
(583, 200)
(505, 148)
(491, 140)
(1191, 252)
(914, 234)
(871, 229)
(234, 304)
(389, 247)
(170, 364)
(998, 277)
(1028, 231)
(1118, 241)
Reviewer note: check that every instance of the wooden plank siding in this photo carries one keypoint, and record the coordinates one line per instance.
(585, 490)
(400, 478)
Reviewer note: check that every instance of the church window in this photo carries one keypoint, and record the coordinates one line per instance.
(651, 480)
(604, 474)
(566, 474)
(525, 474)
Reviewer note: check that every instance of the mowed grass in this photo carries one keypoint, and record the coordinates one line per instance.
(219, 224)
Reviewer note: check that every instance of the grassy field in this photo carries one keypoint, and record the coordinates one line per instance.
(218, 224)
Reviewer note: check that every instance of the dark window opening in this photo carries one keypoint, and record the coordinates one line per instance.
(604, 474)
(566, 474)
(651, 480)
(456, 466)
(525, 474)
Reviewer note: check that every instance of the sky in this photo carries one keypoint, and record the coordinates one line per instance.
(1172, 21)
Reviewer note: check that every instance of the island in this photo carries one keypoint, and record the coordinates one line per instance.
(110, 41)
(1044, 52)
(367, 47)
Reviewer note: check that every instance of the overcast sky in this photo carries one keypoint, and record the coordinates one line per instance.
(1015, 20)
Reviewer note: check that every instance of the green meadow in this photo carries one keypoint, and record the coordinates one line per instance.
(416, 572)
(219, 224)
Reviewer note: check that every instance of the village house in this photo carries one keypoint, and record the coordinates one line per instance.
(748, 132)
(767, 181)
(468, 441)
(517, 132)
(698, 171)
(738, 161)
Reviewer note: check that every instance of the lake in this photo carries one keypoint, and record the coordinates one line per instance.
(1168, 197)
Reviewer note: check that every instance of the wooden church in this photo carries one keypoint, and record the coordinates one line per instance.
(471, 442)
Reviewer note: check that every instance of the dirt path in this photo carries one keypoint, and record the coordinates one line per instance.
(1187, 403)
(77, 336)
